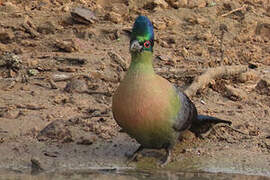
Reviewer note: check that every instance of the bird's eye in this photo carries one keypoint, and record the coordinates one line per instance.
(147, 44)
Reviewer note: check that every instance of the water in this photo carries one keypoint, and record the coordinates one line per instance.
(113, 174)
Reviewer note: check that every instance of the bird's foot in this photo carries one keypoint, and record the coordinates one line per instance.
(133, 156)
(167, 159)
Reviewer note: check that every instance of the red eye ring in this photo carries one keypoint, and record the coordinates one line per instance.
(147, 44)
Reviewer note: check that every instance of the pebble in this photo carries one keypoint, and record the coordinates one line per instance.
(235, 94)
(56, 131)
(6, 36)
(67, 46)
(83, 15)
(119, 60)
(263, 29)
(76, 85)
(248, 76)
(263, 86)
(114, 17)
(47, 28)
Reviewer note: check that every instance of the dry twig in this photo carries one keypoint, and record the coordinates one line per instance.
(234, 10)
(213, 73)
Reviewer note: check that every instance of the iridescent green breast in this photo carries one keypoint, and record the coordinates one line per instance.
(146, 106)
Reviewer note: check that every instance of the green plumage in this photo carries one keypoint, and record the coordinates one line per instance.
(147, 106)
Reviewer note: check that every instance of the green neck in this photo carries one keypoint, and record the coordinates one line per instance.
(142, 62)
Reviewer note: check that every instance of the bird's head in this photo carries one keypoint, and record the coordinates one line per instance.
(142, 35)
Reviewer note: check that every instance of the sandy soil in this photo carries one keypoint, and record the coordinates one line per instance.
(58, 72)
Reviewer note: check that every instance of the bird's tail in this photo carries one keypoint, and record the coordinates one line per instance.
(209, 119)
(204, 123)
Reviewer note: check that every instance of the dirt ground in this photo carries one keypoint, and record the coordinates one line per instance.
(59, 69)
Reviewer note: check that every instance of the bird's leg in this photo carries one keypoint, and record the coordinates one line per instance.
(135, 154)
(167, 158)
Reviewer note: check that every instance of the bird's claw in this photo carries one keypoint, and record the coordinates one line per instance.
(134, 156)
(167, 159)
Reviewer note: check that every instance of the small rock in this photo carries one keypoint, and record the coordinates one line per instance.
(265, 61)
(254, 133)
(11, 114)
(67, 69)
(74, 60)
(51, 154)
(32, 62)
(61, 77)
(67, 46)
(177, 4)
(118, 59)
(184, 52)
(203, 21)
(61, 99)
(33, 72)
(83, 15)
(6, 36)
(86, 140)
(235, 94)
(159, 25)
(4, 48)
(120, 8)
(263, 29)
(263, 86)
(196, 3)
(114, 17)
(36, 166)
(76, 85)
(47, 28)
(55, 131)
(164, 44)
(66, 7)
(160, 3)
(248, 76)
(28, 43)
(191, 19)
(30, 28)
(113, 34)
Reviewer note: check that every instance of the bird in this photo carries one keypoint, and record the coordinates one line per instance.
(147, 106)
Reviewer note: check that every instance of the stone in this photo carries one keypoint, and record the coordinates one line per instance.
(67, 46)
(118, 59)
(248, 76)
(263, 29)
(55, 131)
(86, 140)
(266, 61)
(263, 86)
(196, 3)
(30, 27)
(234, 94)
(83, 15)
(159, 25)
(33, 72)
(6, 36)
(114, 17)
(178, 4)
(47, 28)
(76, 85)
(160, 3)
(191, 19)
